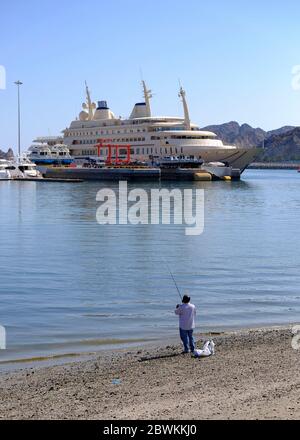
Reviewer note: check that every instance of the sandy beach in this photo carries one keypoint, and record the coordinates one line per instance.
(253, 375)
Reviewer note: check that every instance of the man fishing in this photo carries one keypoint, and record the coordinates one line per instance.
(187, 313)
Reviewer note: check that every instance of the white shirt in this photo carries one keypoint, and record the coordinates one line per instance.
(187, 314)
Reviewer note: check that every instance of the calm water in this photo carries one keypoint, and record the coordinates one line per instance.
(68, 284)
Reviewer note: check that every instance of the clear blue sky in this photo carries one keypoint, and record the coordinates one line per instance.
(234, 59)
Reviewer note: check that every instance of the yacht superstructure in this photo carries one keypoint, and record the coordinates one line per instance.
(45, 154)
(150, 137)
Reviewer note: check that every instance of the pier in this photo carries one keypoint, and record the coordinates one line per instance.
(274, 166)
(114, 173)
(205, 173)
(144, 174)
(42, 179)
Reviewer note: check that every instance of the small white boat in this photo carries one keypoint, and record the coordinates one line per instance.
(20, 168)
(4, 173)
(8, 170)
(28, 168)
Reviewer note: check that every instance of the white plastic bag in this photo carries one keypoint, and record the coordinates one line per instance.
(207, 350)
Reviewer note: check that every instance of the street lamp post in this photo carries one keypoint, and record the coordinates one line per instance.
(18, 84)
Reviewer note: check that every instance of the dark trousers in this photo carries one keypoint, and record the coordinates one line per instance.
(187, 339)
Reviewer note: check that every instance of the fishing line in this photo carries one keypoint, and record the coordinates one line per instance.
(177, 288)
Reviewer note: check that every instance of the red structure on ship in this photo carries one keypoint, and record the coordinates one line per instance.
(102, 143)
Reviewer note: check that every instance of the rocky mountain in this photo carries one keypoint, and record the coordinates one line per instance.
(282, 147)
(282, 144)
(240, 135)
(8, 155)
(281, 130)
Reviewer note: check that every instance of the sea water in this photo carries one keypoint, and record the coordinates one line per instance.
(69, 285)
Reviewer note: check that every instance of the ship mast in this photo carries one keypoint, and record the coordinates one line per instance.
(147, 95)
(187, 121)
(89, 105)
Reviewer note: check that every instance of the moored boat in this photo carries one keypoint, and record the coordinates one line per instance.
(20, 168)
(44, 154)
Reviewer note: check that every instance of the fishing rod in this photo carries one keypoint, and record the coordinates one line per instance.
(173, 280)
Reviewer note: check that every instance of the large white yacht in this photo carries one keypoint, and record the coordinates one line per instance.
(150, 137)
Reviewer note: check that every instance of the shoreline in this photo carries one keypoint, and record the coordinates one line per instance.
(254, 374)
(74, 355)
(273, 166)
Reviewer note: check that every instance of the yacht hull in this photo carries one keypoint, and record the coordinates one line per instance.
(238, 159)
